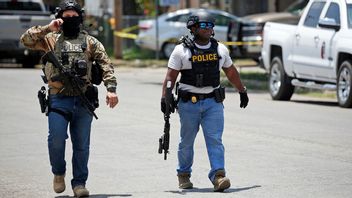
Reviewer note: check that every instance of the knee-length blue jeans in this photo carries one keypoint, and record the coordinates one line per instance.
(209, 115)
(79, 126)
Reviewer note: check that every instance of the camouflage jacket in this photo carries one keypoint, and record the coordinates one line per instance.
(41, 38)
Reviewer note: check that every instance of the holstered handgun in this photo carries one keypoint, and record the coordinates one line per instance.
(219, 94)
(92, 95)
(43, 100)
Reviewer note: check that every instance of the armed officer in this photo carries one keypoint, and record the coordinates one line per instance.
(76, 51)
(200, 97)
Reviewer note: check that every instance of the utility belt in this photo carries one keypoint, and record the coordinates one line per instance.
(218, 94)
(54, 91)
(44, 100)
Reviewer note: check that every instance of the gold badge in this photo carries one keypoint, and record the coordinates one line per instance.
(194, 99)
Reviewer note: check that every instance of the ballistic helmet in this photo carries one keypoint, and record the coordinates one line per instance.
(69, 5)
(200, 16)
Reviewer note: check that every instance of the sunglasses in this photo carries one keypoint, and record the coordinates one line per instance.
(204, 25)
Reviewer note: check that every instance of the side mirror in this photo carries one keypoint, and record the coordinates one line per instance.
(329, 23)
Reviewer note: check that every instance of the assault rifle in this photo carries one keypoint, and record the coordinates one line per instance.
(169, 108)
(76, 82)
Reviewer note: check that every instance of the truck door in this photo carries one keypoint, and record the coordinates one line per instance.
(326, 41)
(306, 46)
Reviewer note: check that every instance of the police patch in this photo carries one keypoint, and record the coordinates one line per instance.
(71, 47)
(205, 57)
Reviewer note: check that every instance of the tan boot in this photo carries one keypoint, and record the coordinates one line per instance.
(183, 181)
(80, 191)
(221, 182)
(59, 183)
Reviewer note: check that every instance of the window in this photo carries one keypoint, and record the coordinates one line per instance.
(184, 17)
(179, 18)
(173, 19)
(314, 12)
(349, 15)
(334, 12)
(221, 20)
(17, 5)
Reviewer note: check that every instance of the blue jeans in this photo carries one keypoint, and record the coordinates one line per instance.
(210, 115)
(80, 126)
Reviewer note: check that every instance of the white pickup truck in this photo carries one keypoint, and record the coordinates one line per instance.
(16, 16)
(316, 53)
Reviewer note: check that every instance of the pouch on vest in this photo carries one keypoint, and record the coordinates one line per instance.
(97, 73)
(92, 95)
(219, 94)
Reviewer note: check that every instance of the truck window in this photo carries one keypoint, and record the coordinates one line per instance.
(313, 15)
(349, 15)
(334, 12)
(18, 5)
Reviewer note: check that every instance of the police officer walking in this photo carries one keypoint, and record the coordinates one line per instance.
(200, 97)
(76, 50)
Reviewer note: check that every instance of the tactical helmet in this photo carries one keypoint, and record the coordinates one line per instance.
(69, 5)
(200, 16)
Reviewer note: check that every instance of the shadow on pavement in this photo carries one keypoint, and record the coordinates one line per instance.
(211, 190)
(100, 196)
(323, 103)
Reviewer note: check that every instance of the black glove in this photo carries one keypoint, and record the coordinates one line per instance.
(163, 106)
(244, 99)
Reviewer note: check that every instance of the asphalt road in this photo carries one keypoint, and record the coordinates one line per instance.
(300, 148)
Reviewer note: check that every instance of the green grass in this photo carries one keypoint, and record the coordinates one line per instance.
(253, 80)
(137, 53)
(315, 93)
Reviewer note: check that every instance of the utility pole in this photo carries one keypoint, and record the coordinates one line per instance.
(277, 5)
(157, 29)
(118, 27)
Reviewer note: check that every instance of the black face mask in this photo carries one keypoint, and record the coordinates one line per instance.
(71, 26)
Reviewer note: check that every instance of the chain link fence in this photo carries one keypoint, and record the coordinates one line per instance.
(101, 28)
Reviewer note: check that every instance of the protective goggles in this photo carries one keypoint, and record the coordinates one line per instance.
(204, 25)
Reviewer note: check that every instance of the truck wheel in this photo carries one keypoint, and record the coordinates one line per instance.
(280, 87)
(344, 82)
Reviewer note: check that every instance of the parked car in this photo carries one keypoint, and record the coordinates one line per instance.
(173, 25)
(316, 53)
(15, 18)
(250, 30)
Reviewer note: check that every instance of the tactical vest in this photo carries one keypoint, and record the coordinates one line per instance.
(205, 67)
(69, 52)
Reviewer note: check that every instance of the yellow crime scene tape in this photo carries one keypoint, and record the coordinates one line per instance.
(124, 33)
(239, 43)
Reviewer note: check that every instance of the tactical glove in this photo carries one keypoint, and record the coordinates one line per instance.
(244, 99)
(163, 106)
